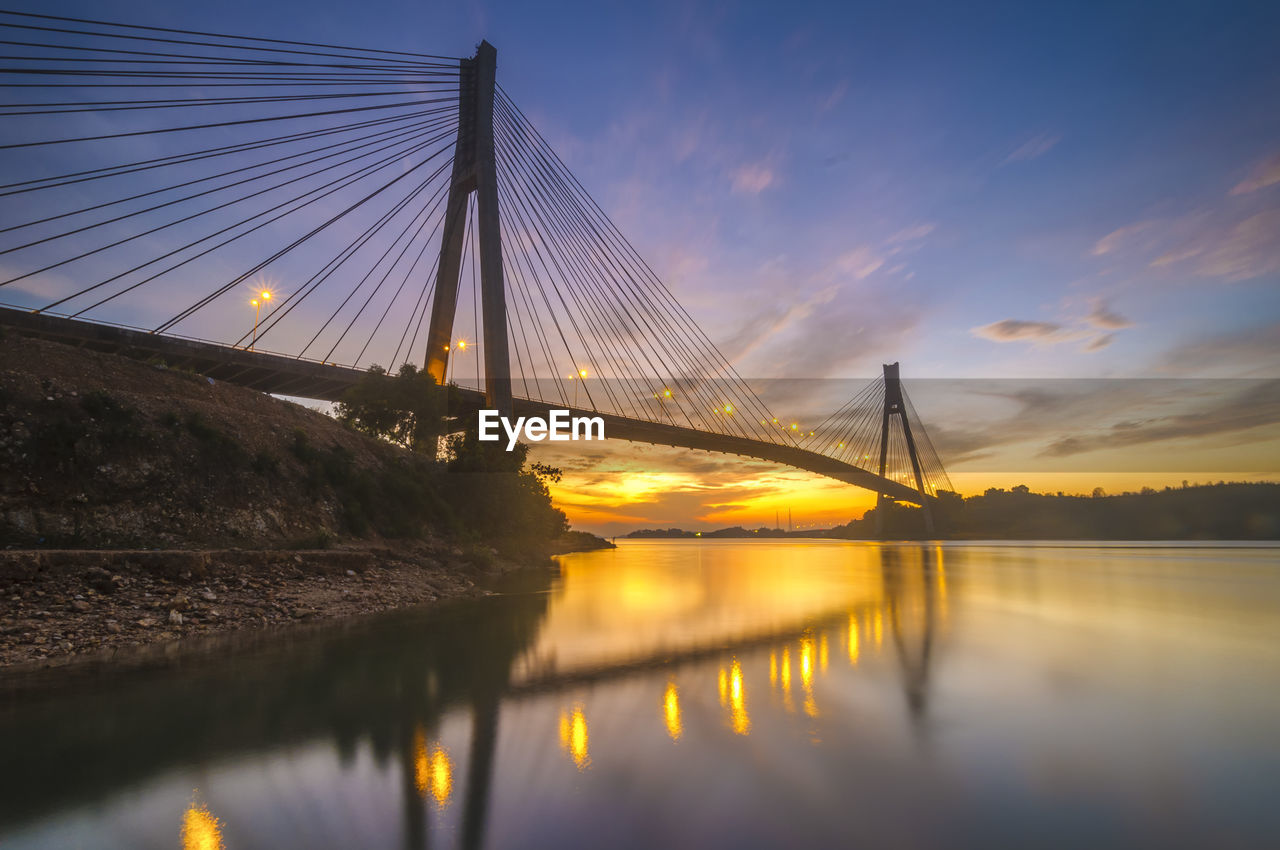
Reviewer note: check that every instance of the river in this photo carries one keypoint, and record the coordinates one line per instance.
(707, 694)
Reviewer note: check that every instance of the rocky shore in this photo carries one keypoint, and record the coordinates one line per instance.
(60, 607)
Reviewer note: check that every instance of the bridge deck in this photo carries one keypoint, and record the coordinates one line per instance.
(283, 375)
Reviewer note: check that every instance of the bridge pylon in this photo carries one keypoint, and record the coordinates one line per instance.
(474, 170)
(894, 405)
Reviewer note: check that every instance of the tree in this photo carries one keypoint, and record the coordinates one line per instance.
(409, 409)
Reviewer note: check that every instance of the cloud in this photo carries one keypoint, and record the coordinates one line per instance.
(860, 262)
(1118, 237)
(1102, 317)
(911, 234)
(1250, 249)
(1266, 173)
(1017, 330)
(1248, 351)
(1053, 333)
(833, 99)
(1212, 243)
(1024, 425)
(1256, 406)
(753, 178)
(1035, 147)
(1099, 342)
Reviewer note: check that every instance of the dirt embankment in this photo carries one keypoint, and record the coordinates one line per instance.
(140, 505)
(98, 451)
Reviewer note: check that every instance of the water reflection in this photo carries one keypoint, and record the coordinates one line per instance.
(574, 737)
(432, 769)
(671, 711)
(200, 829)
(420, 701)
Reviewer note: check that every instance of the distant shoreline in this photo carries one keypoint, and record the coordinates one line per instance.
(1211, 512)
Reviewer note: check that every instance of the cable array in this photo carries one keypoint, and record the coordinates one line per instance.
(592, 315)
(170, 176)
(853, 435)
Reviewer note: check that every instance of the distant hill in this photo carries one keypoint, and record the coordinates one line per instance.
(1226, 511)
(735, 531)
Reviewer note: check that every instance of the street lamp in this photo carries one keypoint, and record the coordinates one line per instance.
(582, 374)
(263, 297)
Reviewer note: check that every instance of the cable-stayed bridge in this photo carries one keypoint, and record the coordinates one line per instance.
(284, 214)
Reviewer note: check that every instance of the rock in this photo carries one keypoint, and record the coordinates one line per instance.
(208, 595)
(175, 618)
(147, 622)
(351, 572)
(80, 606)
(100, 580)
(113, 627)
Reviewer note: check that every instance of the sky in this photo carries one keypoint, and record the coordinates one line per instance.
(1026, 204)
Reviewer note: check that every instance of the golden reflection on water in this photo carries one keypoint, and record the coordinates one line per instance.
(671, 711)
(850, 608)
(738, 717)
(200, 829)
(574, 737)
(806, 675)
(432, 769)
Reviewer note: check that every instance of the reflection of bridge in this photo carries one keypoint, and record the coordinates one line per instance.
(316, 179)
(392, 681)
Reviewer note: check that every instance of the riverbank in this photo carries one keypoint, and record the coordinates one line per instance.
(155, 508)
(67, 607)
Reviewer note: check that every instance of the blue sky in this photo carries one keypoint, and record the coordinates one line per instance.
(980, 190)
(903, 173)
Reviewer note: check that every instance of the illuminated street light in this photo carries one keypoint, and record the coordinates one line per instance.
(264, 295)
(257, 309)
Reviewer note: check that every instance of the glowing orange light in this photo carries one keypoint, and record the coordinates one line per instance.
(738, 701)
(671, 711)
(574, 736)
(200, 830)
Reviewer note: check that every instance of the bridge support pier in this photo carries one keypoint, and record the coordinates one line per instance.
(474, 170)
(894, 405)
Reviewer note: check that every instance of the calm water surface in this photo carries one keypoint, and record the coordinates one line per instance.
(708, 694)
